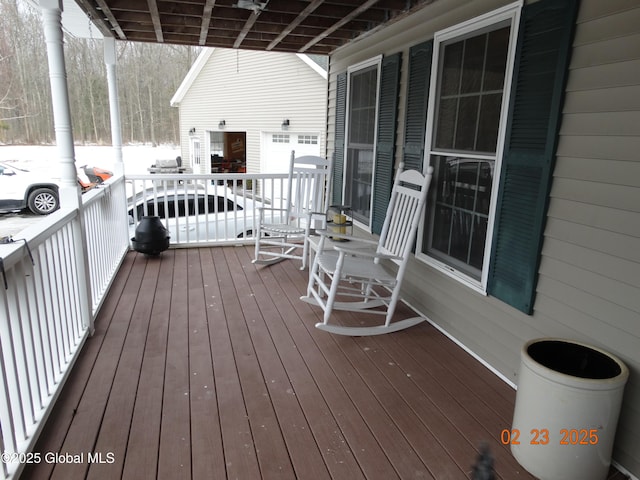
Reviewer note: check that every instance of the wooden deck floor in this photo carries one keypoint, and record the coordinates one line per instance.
(204, 366)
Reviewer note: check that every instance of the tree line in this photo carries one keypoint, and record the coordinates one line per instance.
(148, 76)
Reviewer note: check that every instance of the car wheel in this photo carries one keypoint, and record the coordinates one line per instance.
(43, 201)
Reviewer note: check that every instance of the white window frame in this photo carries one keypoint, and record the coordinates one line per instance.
(377, 62)
(195, 152)
(509, 12)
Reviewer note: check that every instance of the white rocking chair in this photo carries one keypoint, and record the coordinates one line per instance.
(367, 278)
(306, 202)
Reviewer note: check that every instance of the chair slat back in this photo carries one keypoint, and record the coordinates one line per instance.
(408, 196)
(309, 181)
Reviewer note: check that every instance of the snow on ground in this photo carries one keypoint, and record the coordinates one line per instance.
(136, 158)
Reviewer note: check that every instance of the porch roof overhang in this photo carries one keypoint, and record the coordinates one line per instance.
(297, 26)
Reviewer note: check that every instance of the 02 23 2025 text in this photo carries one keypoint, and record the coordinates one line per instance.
(568, 436)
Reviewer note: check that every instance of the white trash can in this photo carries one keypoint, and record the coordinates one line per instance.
(567, 407)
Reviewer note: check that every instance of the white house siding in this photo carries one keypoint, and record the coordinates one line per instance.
(254, 92)
(589, 284)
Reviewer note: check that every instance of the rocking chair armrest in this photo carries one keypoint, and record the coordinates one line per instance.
(363, 253)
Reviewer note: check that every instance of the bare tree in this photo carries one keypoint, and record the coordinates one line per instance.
(148, 76)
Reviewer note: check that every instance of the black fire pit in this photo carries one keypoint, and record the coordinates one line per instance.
(152, 238)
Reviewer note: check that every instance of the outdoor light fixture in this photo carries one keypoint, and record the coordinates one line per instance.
(192, 131)
(221, 124)
(285, 124)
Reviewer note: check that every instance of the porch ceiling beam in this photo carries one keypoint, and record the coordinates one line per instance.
(206, 20)
(253, 17)
(362, 8)
(110, 17)
(301, 17)
(155, 18)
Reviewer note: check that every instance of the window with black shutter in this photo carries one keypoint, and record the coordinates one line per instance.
(466, 121)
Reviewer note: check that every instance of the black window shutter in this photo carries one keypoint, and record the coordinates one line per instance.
(542, 57)
(386, 138)
(338, 155)
(417, 103)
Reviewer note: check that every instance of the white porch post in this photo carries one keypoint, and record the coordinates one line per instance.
(114, 106)
(69, 192)
(51, 19)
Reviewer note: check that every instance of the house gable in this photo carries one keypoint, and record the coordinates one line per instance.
(253, 92)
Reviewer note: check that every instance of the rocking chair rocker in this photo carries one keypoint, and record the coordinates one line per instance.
(365, 277)
(307, 199)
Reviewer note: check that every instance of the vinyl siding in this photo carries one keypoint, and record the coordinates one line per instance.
(589, 284)
(590, 270)
(253, 92)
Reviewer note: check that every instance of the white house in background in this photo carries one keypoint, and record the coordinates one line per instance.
(245, 110)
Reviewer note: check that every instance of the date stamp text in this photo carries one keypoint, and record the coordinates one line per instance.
(541, 436)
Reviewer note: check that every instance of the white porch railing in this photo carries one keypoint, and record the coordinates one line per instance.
(45, 316)
(49, 296)
(106, 233)
(212, 209)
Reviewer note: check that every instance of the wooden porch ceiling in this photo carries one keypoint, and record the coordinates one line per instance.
(312, 27)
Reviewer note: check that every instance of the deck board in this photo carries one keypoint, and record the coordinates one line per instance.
(206, 443)
(204, 365)
(116, 421)
(144, 435)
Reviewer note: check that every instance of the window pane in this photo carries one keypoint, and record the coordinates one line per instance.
(498, 44)
(470, 96)
(460, 235)
(488, 123)
(473, 64)
(476, 254)
(458, 212)
(358, 188)
(466, 125)
(446, 123)
(451, 69)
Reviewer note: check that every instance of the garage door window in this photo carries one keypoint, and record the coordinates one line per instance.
(307, 139)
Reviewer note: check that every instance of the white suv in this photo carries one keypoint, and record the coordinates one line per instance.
(21, 188)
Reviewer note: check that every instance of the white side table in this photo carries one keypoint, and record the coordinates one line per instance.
(314, 243)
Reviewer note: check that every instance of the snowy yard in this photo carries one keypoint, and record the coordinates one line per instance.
(137, 158)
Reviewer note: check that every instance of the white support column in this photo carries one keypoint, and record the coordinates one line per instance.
(114, 106)
(51, 20)
(69, 192)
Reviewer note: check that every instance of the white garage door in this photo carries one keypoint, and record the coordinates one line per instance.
(277, 147)
(276, 157)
